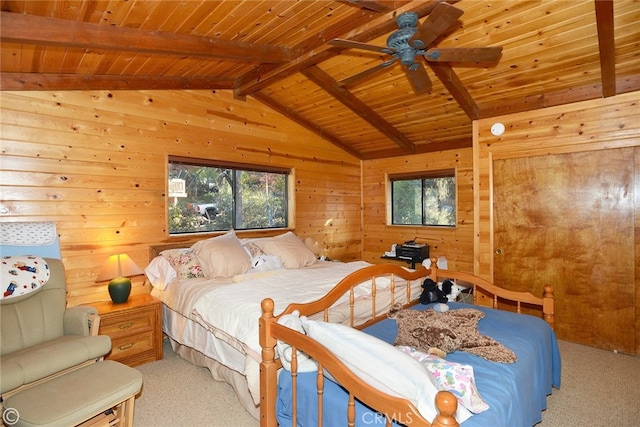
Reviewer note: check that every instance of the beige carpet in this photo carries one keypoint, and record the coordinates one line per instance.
(599, 388)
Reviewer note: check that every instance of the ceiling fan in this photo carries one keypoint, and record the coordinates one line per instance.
(411, 41)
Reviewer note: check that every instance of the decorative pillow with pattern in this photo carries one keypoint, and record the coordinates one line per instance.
(23, 274)
(451, 376)
(184, 262)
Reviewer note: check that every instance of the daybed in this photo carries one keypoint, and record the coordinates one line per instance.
(323, 360)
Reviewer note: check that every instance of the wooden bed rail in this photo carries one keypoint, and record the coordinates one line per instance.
(546, 304)
(394, 407)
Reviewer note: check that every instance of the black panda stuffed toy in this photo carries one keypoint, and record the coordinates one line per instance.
(431, 292)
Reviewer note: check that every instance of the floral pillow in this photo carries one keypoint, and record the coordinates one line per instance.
(22, 274)
(454, 377)
(184, 262)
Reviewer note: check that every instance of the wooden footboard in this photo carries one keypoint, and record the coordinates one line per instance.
(401, 282)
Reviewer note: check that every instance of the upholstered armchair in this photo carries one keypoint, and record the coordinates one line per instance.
(40, 337)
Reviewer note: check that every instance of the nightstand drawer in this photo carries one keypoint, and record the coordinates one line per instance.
(131, 345)
(128, 323)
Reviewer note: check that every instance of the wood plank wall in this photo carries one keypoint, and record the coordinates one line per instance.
(455, 244)
(95, 163)
(600, 124)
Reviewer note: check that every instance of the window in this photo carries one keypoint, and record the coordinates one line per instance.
(424, 199)
(209, 196)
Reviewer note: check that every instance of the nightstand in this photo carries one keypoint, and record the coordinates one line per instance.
(135, 328)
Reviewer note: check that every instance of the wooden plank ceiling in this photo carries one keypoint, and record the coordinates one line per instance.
(277, 51)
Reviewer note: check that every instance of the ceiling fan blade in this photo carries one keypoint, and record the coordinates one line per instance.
(353, 80)
(357, 45)
(472, 54)
(419, 79)
(440, 20)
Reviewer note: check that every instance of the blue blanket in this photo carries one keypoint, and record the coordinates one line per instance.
(516, 392)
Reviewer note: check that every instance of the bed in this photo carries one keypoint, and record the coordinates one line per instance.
(345, 377)
(212, 293)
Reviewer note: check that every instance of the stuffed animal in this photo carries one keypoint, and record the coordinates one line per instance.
(450, 289)
(265, 263)
(431, 292)
(442, 333)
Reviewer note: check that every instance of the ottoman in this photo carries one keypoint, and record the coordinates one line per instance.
(103, 390)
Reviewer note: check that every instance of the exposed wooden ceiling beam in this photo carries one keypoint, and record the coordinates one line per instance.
(551, 99)
(455, 87)
(34, 81)
(293, 115)
(607, 46)
(30, 29)
(334, 88)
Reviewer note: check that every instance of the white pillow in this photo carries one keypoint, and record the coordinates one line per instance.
(380, 365)
(289, 248)
(160, 272)
(222, 256)
(285, 352)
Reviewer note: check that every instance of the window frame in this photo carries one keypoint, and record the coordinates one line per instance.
(236, 166)
(421, 175)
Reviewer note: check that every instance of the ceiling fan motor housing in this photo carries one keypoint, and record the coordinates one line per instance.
(399, 39)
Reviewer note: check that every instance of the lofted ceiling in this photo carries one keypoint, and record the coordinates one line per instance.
(279, 52)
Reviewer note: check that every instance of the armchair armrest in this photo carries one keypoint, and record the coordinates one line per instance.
(81, 320)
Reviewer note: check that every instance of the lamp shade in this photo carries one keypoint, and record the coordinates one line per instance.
(118, 269)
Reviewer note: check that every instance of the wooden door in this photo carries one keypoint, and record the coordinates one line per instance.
(567, 220)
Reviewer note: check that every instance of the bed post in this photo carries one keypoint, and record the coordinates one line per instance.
(434, 269)
(447, 405)
(548, 310)
(268, 367)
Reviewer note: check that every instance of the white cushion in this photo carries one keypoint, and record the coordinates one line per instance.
(380, 365)
(160, 272)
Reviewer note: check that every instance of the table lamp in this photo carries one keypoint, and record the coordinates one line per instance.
(118, 269)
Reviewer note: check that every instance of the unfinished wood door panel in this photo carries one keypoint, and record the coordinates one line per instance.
(568, 220)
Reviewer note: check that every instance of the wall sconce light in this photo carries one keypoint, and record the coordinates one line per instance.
(118, 269)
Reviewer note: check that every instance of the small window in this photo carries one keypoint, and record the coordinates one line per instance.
(207, 196)
(427, 199)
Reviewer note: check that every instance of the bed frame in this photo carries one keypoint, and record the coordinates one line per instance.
(401, 280)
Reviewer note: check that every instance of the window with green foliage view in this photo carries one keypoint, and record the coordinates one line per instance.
(427, 199)
(207, 196)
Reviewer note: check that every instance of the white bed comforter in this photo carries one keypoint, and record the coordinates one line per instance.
(230, 309)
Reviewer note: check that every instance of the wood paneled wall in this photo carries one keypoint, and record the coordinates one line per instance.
(455, 244)
(95, 163)
(600, 124)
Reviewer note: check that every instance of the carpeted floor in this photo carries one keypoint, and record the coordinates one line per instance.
(599, 388)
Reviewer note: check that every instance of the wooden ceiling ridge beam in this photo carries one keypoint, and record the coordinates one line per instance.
(293, 115)
(607, 46)
(37, 81)
(40, 30)
(257, 80)
(333, 87)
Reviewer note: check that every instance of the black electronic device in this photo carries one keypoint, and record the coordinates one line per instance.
(413, 252)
